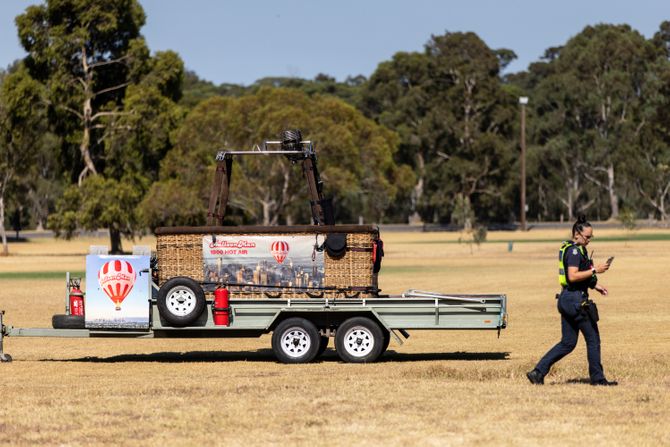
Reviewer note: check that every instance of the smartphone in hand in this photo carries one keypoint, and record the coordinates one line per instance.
(609, 260)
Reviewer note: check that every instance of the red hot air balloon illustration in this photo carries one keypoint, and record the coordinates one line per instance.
(279, 250)
(117, 278)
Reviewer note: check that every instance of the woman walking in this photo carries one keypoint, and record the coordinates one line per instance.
(577, 275)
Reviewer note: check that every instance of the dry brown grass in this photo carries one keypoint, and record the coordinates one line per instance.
(440, 388)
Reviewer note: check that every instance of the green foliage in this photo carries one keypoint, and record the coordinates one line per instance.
(100, 203)
(479, 234)
(627, 218)
(111, 103)
(22, 135)
(171, 203)
(596, 104)
(91, 100)
(196, 90)
(455, 122)
(463, 215)
(355, 158)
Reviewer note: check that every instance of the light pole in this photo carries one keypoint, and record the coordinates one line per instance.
(523, 100)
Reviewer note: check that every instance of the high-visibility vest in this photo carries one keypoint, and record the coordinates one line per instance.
(562, 268)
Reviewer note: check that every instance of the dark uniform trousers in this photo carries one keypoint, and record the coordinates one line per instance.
(573, 320)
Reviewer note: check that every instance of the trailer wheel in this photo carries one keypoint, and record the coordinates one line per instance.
(387, 340)
(359, 340)
(181, 301)
(323, 345)
(68, 322)
(295, 340)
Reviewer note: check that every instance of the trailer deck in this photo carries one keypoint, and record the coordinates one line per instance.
(414, 310)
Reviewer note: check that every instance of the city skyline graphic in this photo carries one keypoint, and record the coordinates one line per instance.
(280, 261)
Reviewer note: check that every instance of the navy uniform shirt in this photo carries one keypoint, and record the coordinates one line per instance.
(573, 258)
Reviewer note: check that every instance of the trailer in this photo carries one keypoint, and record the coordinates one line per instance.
(302, 328)
(304, 284)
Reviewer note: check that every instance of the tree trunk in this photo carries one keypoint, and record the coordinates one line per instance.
(85, 146)
(569, 201)
(3, 233)
(266, 211)
(614, 198)
(417, 193)
(115, 240)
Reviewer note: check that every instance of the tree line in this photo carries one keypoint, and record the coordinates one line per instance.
(98, 132)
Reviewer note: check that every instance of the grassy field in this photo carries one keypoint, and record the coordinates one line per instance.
(439, 388)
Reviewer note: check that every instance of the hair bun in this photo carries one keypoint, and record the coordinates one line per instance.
(581, 219)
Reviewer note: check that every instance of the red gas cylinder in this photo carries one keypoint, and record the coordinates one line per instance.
(76, 299)
(220, 308)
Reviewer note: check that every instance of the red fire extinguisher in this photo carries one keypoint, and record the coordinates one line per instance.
(76, 298)
(220, 308)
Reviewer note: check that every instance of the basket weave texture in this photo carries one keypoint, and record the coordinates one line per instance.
(181, 255)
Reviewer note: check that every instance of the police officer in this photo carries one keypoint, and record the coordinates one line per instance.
(576, 274)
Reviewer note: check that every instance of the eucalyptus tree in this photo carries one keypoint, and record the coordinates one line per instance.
(110, 101)
(22, 126)
(455, 121)
(588, 102)
(649, 170)
(355, 158)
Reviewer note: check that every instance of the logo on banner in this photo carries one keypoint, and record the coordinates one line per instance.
(279, 250)
(117, 278)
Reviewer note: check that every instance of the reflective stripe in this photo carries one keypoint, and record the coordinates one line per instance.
(562, 278)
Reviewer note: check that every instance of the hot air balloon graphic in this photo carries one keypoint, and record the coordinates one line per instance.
(279, 250)
(116, 278)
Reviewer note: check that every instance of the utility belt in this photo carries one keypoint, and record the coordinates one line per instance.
(585, 293)
(587, 307)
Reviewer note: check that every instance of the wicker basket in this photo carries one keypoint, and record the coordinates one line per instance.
(179, 252)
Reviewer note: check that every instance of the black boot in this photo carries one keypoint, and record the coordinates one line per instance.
(604, 382)
(535, 377)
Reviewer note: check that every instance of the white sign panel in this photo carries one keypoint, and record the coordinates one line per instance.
(117, 292)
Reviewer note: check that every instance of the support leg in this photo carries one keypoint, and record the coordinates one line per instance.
(3, 357)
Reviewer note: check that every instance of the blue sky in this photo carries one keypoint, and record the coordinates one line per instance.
(241, 41)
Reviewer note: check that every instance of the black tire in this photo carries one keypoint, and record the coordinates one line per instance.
(387, 340)
(68, 322)
(323, 345)
(296, 340)
(181, 301)
(359, 340)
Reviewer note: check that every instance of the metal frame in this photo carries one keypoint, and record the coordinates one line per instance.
(413, 310)
(218, 199)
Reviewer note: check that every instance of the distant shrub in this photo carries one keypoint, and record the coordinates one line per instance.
(479, 234)
(627, 219)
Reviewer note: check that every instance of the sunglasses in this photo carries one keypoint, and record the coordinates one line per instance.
(588, 238)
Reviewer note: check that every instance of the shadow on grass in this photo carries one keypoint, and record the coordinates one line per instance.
(581, 381)
(14, 239)
(266, 355)
(393, 356)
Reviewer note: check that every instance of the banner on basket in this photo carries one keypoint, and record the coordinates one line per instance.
(278, 261)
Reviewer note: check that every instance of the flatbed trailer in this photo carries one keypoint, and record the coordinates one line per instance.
(301, 328)
(338, 295)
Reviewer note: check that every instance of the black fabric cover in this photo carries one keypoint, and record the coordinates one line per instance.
(336, 245)
(379, 254)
